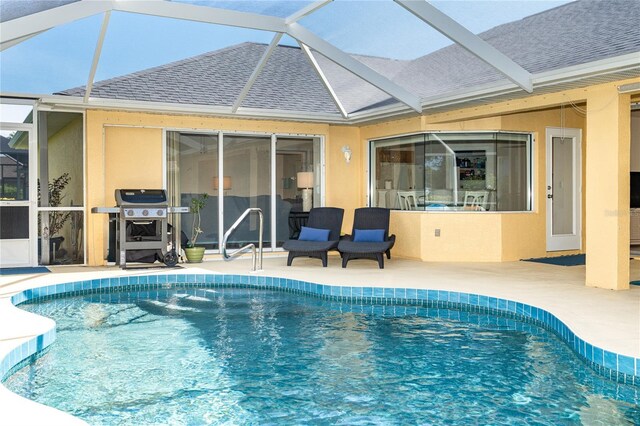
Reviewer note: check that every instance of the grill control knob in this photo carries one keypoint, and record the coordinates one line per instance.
(145, 212)
(129, 212)
(160, 212)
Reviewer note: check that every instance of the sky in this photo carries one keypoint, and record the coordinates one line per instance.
(61, 57)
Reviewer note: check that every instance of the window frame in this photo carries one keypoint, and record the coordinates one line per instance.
(220, 133)
(530, 158)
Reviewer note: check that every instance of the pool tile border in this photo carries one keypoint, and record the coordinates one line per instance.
(618, 367)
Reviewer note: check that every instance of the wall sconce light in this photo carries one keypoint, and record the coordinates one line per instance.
(347, 153)
(305, 182)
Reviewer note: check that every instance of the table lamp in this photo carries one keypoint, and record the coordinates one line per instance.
(305, 182)
(226, 183)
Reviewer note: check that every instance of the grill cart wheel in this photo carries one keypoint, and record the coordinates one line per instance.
(170, 258)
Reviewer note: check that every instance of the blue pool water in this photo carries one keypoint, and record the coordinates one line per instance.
(243, 356)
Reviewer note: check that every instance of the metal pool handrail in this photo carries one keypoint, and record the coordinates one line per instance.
(250, 246)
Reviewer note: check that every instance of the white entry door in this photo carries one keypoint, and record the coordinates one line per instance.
(564, 189)
(16, 196)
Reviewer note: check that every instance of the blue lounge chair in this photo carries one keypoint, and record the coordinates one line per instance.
(370, 237)
(320, 219)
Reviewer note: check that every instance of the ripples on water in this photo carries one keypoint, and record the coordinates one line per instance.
(238, 356)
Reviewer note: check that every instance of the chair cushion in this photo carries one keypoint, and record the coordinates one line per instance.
(368, 235)
(313, 234)
(353, 247)
(309, 246)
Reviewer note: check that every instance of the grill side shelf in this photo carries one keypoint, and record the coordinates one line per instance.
(117, 209)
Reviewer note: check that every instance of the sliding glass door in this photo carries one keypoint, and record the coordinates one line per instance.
(239, 171)
(192, 170)
(247, 184)
(298, 172)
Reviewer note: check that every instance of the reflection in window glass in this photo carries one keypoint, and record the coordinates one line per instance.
(14, 166)
(12, 113)
(247, 172)
(63, 233)
(293, 157)
(192, 167)
(453, 171)
(399, 170)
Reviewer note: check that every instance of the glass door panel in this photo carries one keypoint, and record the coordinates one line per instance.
(60, 188)
(265, 171)
(246, 184)
(563, 189)
(15, 247)
(14, 166)
(296, 167)
(562, 186)
(192, 170)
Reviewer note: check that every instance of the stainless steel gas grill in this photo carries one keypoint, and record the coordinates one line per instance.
(142, 225)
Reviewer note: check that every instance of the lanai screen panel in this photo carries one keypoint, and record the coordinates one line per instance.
(280, 9)
(43, 65)
(12, 9)
(148, 58)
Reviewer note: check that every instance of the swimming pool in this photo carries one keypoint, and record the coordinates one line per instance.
(254, 356)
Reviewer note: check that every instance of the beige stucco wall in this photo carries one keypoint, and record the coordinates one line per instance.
(132, 159)
(463, 236)
(124, 149)
(487, 236)
(607, 189)
(345, 182)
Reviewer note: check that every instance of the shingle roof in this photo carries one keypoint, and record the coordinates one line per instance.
(355, 93)
(287, 82)
(576, 33)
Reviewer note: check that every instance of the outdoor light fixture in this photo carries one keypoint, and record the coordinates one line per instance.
(629, 88)
(347, 153)
(305, 182)
(226, 183)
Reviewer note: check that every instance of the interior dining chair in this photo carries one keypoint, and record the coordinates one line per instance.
(476, 200)
(407, 200)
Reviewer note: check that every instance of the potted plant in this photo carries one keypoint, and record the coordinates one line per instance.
(194, 254)
(54, 220)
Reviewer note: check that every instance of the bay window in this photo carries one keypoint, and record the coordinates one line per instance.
(470, 171)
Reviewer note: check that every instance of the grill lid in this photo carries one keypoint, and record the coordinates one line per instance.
(141, 196)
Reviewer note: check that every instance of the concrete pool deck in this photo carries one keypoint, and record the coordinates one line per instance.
(604, 318)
